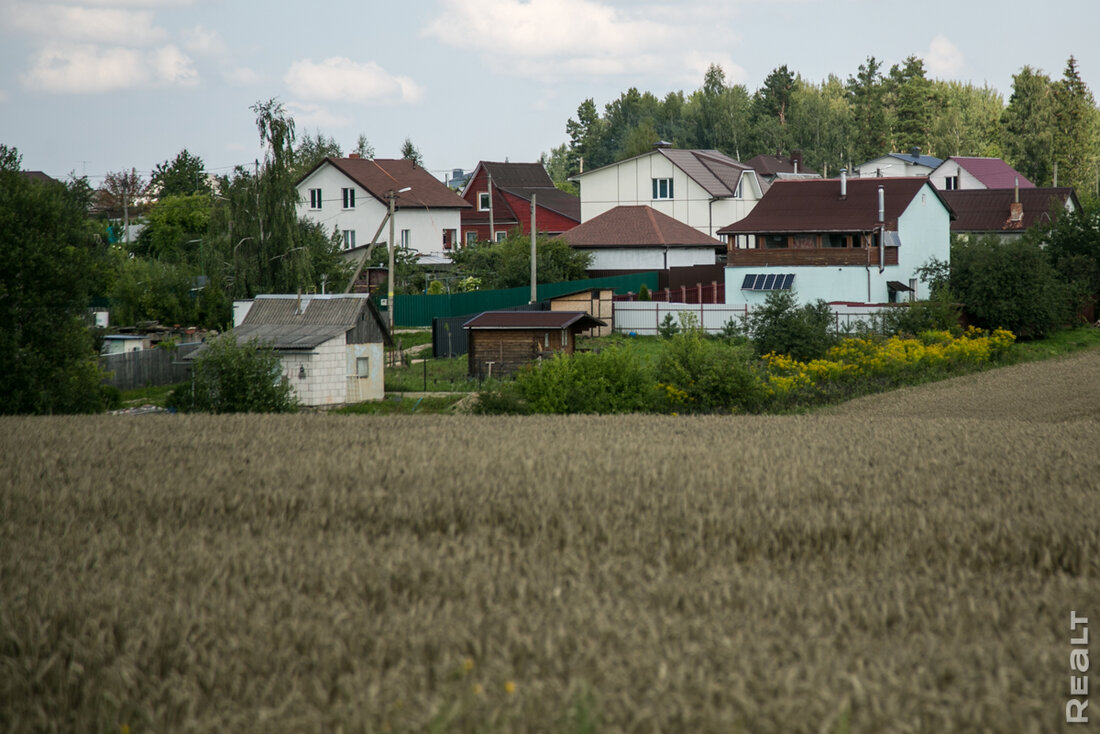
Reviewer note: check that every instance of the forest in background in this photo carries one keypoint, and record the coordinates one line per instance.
(1047, 124)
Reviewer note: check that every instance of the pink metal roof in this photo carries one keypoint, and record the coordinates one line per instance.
(993, 172)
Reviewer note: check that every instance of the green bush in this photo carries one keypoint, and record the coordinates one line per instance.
(643, 293)
(939, 313)
(228, 377)
(698, 374)
(611, 381)
(668, 326)
(782, 326)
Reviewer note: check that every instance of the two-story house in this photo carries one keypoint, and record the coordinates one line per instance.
(352, 196)
(500, 196)
(854, 241)
(960, 173)
(704, 189)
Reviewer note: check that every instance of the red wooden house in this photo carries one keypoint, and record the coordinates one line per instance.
(500, 195)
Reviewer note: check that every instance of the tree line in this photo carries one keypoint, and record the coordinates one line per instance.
(1047, 127)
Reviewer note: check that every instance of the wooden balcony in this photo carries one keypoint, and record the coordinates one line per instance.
(818, 256)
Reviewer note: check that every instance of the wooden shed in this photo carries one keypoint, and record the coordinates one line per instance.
(595, 302)
(501, 342)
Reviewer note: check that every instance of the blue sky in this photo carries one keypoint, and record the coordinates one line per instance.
(91, 86)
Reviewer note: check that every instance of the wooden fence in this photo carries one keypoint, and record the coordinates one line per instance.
(147, 367)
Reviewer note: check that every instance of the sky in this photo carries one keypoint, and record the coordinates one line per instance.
(93, 86)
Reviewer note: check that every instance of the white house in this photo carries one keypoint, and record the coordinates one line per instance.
(959, 173)
(352, 196)
(898, 164)
(841, 241)
(703, 189)
(331, 346)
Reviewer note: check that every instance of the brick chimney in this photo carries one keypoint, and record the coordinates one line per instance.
(353, 156)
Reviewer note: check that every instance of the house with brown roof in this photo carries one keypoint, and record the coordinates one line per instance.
(839, 240)
(1007, 213)
(640, 238)
(352, 196)
(502, 342)
(704, 189)
(960, 173)
(500, 196)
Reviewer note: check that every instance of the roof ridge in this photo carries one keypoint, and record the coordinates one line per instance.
(656, 228)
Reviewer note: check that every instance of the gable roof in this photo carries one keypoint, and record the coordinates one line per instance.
(533, 320)
(520, 175)
(289, 322)
(552, 199)
(39, 176)
(379, 176)
(636, 226)
(713, 170)
(993, 172)
(989, 210)
(815, 205)
(526, 179)
(772, 165)
(930, 161)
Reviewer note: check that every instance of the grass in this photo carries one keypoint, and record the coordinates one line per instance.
(1065, 341)
(138, 397)
(413, 338)
(904, 567)
(397, 405)
(444, 375)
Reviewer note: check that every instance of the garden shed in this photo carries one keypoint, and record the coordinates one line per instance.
(501, 342)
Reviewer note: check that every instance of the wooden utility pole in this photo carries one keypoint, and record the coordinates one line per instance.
(492, 234)
(534, 259)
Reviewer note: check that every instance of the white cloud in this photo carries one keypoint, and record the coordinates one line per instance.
(315, 116)
(548, 39)
(203, 41)
(54, 22)
(341, 79)
(943, 58)
(241, 75)
(91, 69)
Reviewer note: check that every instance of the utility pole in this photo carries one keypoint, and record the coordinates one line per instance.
(492, 234)
(389, 300)
(259, 212)
(534, 235)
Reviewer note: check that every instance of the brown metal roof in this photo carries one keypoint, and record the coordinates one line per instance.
(815, 205)
(990, 210)
(636, 226)
(518, 175)
(552, 199)
(533, 320)
(770, 165)
(379, 176)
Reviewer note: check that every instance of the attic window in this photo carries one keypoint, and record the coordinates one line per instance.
(767, 282)
(315, 198)
(483, 201)
(349, 198)
(951, 183)
(662, 188)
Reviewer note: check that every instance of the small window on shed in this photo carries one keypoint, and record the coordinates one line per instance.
(362, 366)
(564, 338)
(546, 340)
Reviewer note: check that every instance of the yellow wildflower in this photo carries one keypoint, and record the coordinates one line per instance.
(509, 688)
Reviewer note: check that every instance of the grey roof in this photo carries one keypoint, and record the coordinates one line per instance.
(921, 160)
(288, 336)
(324, 310)
(716, 172)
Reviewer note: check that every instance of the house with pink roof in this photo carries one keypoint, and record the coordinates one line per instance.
(959, 173)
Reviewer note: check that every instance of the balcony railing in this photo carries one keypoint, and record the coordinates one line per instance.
(821, 256)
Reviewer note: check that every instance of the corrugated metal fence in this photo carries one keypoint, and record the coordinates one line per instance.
(642, 317)
(147, 367)
(422, 310)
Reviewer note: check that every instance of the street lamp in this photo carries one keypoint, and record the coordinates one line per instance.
(392, 195)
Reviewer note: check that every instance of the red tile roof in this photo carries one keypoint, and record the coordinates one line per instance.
(381, 175)
(990, 210)
(533, 320)
(815, 205)
(636, 226)
(993, 172)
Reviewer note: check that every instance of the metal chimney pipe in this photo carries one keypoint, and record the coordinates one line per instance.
(881, 228)
(843, 182)
(881, 204)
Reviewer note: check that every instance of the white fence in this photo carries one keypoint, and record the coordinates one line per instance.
(644, 317)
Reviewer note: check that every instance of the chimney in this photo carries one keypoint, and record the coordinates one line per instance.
(881, 204)
(796, 160)
(915, 151)
(1016, 209)
(353, 156)
(843, 183)
(662, 144)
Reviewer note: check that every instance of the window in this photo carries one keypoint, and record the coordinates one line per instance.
(349, 238)
(564, 338)
(767, 282)
(315, 198)
(546, 340)
(662, 188)
(501, 236)
(483, 201)
(406, 238)
(362, 366)
(349, 198)
(834, 239)
(471, 237)
(775, 241)
(951, 183)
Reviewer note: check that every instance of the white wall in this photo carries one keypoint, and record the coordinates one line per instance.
(643, 317)
(326, 381)
(948, 168)
(648, 258)
(373, 386)
(890, 166)
(630, 183)
(426, 225)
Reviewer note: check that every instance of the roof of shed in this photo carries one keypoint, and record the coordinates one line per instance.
(636, 226)
(533, 320)
(815, 205)
(988, 210)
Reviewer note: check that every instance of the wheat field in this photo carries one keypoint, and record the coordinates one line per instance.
(906, 562)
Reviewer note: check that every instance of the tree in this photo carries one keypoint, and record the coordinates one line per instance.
(51, 262)
(586, 139)
(912, 98)
(507, 264)
(228, 377)
(410, 153)
(782, 326)
(870, 125)
(364, 149)
(967, 120)
(122, 188)
(771, 107)
(1028, 126)
(1076, 130)
(311, 150)
(182, 176)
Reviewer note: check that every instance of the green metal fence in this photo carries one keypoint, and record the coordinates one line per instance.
(420, 310)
